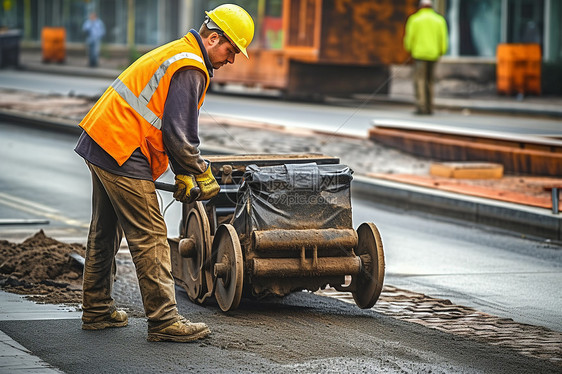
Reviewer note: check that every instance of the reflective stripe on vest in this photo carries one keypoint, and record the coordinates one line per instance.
(139, 104)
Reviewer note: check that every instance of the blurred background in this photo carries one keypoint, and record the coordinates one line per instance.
(299, 42)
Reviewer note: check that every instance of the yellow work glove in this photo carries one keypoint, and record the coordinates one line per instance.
(207, 183)
(187, 190)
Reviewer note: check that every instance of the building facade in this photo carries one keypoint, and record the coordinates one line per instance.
(476, 26)
(127, 22)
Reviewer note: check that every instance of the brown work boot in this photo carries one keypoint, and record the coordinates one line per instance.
(182, 331)
(117, 318)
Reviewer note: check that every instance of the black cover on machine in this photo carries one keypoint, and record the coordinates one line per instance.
(294, 196)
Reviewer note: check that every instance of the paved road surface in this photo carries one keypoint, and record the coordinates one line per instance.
(499, 273)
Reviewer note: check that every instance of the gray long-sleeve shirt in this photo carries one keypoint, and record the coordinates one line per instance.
(181, 109)
(180, 127)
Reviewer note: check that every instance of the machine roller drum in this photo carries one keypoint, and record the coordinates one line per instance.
(207, 270)
(368, 283)
(194, 249)
(228, 268)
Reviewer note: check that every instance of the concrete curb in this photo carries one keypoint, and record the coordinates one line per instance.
(72, 70)
(529, 221)
(53, 123)
(484, 106)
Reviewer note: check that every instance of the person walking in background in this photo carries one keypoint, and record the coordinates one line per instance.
(426, 39)
(95, 30)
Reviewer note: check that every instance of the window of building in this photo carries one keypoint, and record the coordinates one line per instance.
(11, 15)
(156, 22)
(553, 40)
(474, 27)
(114, 13)
(169, 22)
(74, 15)
(146, 30)
(525, 21)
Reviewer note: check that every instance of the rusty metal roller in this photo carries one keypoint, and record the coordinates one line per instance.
(292, 267)
(295, 240)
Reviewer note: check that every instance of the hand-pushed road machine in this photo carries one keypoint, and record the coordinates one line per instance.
(280, 224)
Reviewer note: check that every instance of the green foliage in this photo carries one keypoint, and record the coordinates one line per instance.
(134, 54)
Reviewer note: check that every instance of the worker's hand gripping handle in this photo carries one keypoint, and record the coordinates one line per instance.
(187, 190)
(207, 184)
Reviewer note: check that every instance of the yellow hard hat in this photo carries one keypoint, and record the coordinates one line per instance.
(236, 23)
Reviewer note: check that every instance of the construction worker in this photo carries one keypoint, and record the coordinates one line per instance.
(426, 39)
(147, 119)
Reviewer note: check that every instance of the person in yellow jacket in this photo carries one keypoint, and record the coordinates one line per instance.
(426, 39)
(146, 120)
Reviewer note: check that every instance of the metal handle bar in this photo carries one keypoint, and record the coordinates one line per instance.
(165, 186)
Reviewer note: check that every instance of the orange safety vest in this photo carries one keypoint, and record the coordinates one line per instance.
(129, 113)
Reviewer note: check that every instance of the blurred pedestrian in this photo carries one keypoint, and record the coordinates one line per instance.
(145, 120)
(426, 39)
(95, 30)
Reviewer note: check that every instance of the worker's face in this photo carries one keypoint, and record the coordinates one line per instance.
(220, 50)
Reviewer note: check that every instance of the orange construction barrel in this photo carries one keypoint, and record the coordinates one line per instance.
(518, 68)
(53, 44)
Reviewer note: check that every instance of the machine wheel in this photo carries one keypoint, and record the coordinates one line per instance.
(207, 268)
(368, 283)
(198, 230)
(228, 267)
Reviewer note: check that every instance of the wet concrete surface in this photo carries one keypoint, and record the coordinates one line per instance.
(406, 332)
(300, 333)
(276, 314)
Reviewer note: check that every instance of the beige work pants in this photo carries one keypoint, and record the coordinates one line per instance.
(121, 204)
(423, 86)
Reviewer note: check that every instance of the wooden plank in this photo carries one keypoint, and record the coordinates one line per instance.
(513, 159)
(466, 170)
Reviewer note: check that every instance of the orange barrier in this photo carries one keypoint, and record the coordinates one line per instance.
(518, 68)
(53, 44)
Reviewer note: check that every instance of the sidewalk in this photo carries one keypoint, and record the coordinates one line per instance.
(449, 95)
(14, 358)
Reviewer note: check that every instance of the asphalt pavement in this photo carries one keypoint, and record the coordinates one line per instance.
(541, 223)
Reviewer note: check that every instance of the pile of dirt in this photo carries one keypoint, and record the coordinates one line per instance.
(42, 268)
